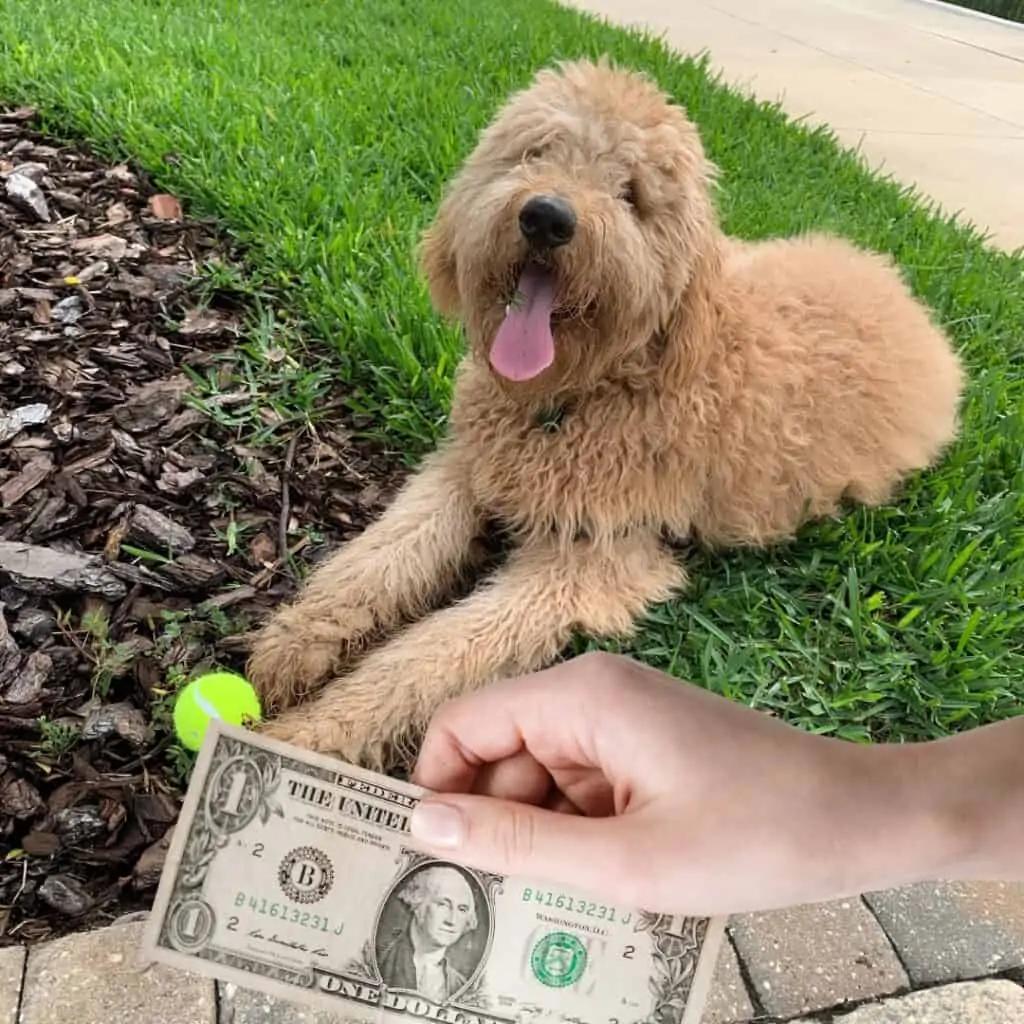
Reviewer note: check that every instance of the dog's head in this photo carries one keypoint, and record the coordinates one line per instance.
(572, 232)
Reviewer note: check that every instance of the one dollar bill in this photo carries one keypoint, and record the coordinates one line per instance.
(294, 874)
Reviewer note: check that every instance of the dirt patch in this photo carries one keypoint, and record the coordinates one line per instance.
(140, 535)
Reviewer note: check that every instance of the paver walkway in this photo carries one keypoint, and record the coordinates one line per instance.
(931, 93)
(928, 954)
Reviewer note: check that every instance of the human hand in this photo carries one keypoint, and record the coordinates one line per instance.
(610, 777)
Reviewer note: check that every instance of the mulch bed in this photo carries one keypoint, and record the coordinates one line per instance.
(139, 539)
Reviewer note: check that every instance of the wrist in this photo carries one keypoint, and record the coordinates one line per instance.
(949, 809)
(976, 795)
(897, 821)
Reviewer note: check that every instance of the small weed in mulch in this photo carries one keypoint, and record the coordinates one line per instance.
(144, 528)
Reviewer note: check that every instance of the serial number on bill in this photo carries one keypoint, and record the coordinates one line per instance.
(293, 915)
(571, 904)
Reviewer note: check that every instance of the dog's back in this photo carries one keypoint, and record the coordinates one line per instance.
(842, 384)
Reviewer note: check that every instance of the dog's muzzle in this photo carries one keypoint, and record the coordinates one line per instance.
(547, 222)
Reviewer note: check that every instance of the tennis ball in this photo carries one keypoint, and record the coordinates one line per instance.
(221, 695)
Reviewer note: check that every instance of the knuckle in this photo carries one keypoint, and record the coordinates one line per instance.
(609, 671)
(514, 836)
(448, 717)
(623, 868)
(620, 856)
(601, 663)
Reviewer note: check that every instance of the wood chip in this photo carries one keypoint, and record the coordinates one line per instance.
(231, 597)
(20, 799)
(34, 473)
(14, 422)
(205, 323)
(28, 684)
(152, 405)
(118, 213)
(25, 194)
(150, 865)
(41, 844)
(90, 461)
(66, 894)
(192, 571)
(18, 114)
(111, 247)
(165, 207)
(32, 566)
(162, 534)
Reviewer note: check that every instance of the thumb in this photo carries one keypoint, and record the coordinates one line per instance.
(512, 838)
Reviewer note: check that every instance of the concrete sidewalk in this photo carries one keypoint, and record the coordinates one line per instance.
(930, 93)
(926, 954)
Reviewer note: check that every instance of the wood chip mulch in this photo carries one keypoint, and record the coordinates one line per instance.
(139, 539)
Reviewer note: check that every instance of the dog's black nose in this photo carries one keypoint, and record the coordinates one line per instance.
(547, 222)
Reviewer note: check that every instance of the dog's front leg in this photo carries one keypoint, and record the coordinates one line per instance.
(515, 623)
(390, 572)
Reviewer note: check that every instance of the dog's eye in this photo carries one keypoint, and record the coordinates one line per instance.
(629, 196)
(533, 153)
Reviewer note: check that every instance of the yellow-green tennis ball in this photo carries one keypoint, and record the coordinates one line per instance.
(222, 695)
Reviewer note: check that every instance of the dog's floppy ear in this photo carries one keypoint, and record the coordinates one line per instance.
(437, 260)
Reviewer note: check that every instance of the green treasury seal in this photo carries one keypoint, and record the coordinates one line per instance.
(558, 960)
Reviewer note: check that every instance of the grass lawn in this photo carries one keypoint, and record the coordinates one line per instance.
(1011, 10)
(321, 134)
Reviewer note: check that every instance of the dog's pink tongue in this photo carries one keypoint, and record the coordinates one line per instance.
(524, 345)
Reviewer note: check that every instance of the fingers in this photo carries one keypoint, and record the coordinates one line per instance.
(544, 713)
(593, 854)
(519, 778)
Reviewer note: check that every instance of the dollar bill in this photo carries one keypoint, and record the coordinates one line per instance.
(294, 874)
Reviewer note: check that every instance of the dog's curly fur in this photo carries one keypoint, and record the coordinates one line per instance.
(701, 386)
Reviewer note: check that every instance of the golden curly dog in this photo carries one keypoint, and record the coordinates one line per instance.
(633, 376)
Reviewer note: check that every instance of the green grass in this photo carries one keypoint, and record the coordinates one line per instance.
(1011, 10)
(321, 134)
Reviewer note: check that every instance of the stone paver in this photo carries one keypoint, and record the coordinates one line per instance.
(728, 1002)
(12, 964)
(245, 1006)
(99, 977)
(969, 1002)
(818, 956)
(807, 965)
(953, 932)
(928, 92)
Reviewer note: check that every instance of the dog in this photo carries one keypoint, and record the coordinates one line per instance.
(632, 377)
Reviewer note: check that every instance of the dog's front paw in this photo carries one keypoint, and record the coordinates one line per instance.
(295, 653)
(325, 735)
